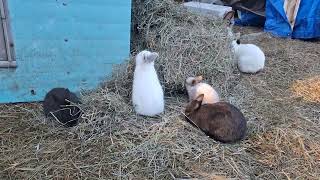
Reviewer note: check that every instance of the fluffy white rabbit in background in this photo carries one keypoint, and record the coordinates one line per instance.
(147, 93)
(195, 87)
(250, 58)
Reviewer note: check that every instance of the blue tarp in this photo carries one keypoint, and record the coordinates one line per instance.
(307, 24)
(250, 19)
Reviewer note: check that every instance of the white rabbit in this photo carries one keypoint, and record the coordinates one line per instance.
(147, 93)
(250, 57)
(195, 88)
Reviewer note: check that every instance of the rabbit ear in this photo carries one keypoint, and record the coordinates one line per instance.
(198, 102)
(196, 80)
(228, 17)
(193, 82)
(196, 106)
(144, 57)
(237, 35)
(200, 98)
(153, 56)
(199, 78)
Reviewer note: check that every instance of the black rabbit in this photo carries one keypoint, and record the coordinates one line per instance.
(60, 104)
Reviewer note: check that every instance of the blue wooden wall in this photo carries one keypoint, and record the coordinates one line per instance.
(64, 43)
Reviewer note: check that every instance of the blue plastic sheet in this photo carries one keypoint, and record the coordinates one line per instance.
(250, 19)
(307, 25)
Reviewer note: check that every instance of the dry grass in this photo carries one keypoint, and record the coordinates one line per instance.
(113, 143)
(188, 44)
(288, 152)
(308, 89)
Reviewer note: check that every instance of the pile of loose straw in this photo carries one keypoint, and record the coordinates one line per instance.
(112, 142)
(164, 146)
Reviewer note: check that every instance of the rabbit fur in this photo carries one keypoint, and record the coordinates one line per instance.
(250, 57)
(147, 93)
(195, 87)
(58, 104)
(221, 121)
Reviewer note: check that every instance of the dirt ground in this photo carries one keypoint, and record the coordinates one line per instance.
(283, 140)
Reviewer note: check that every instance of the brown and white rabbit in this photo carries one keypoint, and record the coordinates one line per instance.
(195, 87)
(221, 121)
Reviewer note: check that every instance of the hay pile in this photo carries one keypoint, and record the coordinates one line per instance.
(166, 146)
(112, 142)
(188, 44)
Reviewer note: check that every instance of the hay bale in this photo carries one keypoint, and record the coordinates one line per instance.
(188, 44)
